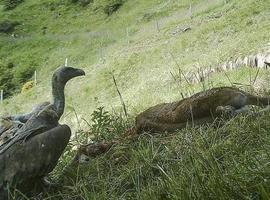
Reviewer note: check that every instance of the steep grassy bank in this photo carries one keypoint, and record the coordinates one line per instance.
(228, 161)
(99, 44)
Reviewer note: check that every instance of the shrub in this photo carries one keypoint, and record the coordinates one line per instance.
(8, 26)
(82, 3)
(112, 6)
(11, 4)
(6, 82)
(27, 86)
(23, 74)
(106, 126)
(12, 77)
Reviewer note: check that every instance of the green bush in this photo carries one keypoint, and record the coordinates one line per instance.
(106, 126)
(7, 26)
(11, 4)
(12, 77)
(112, 6)
(108, 6)
(82, 3)
(27, 86)
(6, 77)
(23, 74)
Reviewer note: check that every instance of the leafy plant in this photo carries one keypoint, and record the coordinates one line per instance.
(27, 86)
(5, 79)
(12, 77)
(106, 126)
(82, 3)
(23, 74)
(11, 4)
(112, 6)
(101, 120)
(7, 26)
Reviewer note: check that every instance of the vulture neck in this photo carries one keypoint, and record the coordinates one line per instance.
(58, 97)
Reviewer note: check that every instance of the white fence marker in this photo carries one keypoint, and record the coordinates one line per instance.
(101, 54)
(35, 78)
(66, 62)
(127, 32)
(190, 11)
(157, 25)
(1, 96)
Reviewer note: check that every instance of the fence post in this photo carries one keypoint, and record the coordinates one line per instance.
(190, 11)
(127, 32)
(66, 62)
(35, 78)
(101, 54)
(157, 25)
(1, 96)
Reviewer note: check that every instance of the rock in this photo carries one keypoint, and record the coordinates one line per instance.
(259, 60)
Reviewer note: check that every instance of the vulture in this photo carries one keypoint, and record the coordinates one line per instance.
(30, 153)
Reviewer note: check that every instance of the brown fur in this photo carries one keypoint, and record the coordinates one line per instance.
(197, 109)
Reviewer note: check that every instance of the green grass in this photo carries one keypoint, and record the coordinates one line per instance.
(99, 45)
(229, 162)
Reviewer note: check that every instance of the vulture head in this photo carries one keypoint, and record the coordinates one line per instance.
(63, 74)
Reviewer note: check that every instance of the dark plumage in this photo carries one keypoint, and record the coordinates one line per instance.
(35, 148)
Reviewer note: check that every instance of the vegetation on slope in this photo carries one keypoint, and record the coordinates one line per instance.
(224, 160)
(142, 44)
(211, 162)
(142, 60)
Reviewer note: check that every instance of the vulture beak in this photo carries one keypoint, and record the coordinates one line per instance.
(267, 63)
(80, 72)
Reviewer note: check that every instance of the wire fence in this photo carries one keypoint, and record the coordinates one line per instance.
(158, 25)
(2, 92)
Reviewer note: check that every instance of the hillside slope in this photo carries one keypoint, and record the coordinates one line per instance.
(143, 44)
(140, 60)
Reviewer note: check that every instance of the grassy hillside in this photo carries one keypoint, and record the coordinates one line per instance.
(142, 61)
(142, 44)
(221, 161)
